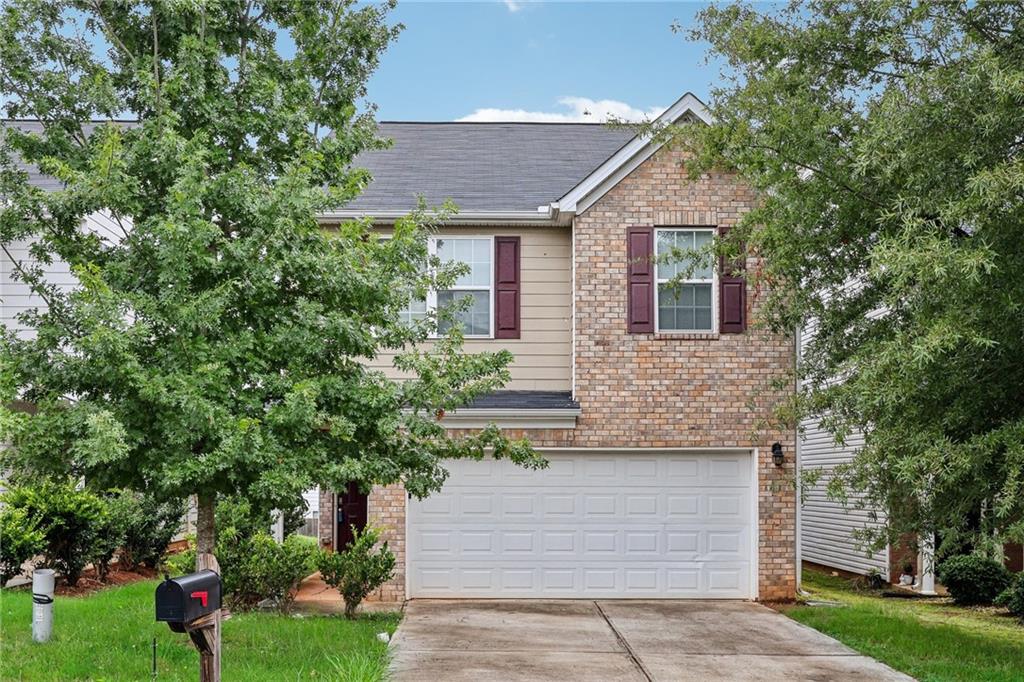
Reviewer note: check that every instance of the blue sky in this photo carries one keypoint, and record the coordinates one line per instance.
(523, 59)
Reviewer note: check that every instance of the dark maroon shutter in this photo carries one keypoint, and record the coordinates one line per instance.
(506, 287)
(640, 280)
(732, 295)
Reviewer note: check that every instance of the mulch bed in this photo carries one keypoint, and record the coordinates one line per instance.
(89, 583)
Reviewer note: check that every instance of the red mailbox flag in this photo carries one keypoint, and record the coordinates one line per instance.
(201, 596)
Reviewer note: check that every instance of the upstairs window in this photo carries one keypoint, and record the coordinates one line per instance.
(686, 287)
(476, 284)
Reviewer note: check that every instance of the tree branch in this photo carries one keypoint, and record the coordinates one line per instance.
(109, 32)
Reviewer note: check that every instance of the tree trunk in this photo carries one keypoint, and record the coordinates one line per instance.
(206, 537)
(205, 526)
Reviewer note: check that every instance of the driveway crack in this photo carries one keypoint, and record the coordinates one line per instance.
(625, 645)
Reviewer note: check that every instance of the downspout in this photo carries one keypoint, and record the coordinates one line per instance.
(798, 340)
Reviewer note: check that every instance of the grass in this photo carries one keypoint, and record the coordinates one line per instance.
(931, 640)
(109, 636)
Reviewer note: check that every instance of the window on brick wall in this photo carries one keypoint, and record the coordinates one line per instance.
(686, 291)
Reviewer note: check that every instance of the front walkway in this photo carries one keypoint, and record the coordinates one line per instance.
(518, 641)
(316, 596)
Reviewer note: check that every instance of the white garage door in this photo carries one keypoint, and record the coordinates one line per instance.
(590, 525)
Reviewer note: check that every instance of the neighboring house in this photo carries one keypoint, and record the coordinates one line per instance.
(647, 405)
(650, 405)
(15, 296)
(828, 528)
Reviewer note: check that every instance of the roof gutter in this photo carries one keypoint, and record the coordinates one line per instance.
(507, 418)
(543, 216)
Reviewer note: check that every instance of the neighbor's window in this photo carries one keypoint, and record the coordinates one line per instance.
(475, 284)
(686, 294)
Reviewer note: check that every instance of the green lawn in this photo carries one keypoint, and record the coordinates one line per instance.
(109, 636)
(928, 639)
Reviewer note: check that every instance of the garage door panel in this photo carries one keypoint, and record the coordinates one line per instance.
(589, 526)
(639, 543)
(466, 504)
(678, 581)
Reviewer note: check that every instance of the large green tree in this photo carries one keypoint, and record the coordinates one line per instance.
(887, 142)
(219, 344)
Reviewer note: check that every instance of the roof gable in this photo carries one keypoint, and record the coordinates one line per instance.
(627, 158)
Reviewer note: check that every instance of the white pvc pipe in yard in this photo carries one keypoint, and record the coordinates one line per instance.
(926, 559)
(42, 604)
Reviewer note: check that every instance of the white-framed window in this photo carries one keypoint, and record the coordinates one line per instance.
(686, 299)
(477, 284)
(414, 311)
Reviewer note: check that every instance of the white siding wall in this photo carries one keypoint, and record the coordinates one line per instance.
(16, 297)
(827, 526)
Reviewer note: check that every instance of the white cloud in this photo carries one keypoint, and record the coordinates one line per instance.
(579, 110)
(513, 5)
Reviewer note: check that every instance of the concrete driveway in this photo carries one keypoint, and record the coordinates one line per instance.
(513, 640)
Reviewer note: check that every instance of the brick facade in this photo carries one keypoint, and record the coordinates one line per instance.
(666, 390)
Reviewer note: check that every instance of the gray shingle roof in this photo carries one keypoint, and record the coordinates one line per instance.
(479, 166)
(35, 178)
(483, 166)
(534, 400)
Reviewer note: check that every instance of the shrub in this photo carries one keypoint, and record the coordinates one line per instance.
(258, 568)
(250, 519)
(973, 579)
(149, 530)
(358, 569)
(20, 540)
(1013, 596)
(69, 519)
(110, 531)
(240, 515)
(253, 569)
(183, 561)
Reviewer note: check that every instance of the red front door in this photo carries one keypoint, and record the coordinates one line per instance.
(351, 511)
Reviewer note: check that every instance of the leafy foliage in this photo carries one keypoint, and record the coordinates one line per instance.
(20, 540)
(258, 568)
(885, 141)
(249, 519)
(973, 579)
(111, 525)
(254, 567)
(219, 345)
(70, 520)
(149, 529)
(1013, 596)
(359, 569)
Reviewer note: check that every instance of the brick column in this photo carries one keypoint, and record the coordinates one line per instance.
(386, 506)
(326, 525)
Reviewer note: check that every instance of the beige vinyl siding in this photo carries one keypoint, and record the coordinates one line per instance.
(542, 353)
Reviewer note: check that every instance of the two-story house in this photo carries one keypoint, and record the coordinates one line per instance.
(650, 401)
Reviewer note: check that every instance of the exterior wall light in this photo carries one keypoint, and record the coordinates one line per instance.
(777, 457)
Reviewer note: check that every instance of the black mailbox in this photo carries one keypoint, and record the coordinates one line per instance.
(183, 599)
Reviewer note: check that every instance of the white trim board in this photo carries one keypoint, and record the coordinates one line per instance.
(627, 159)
